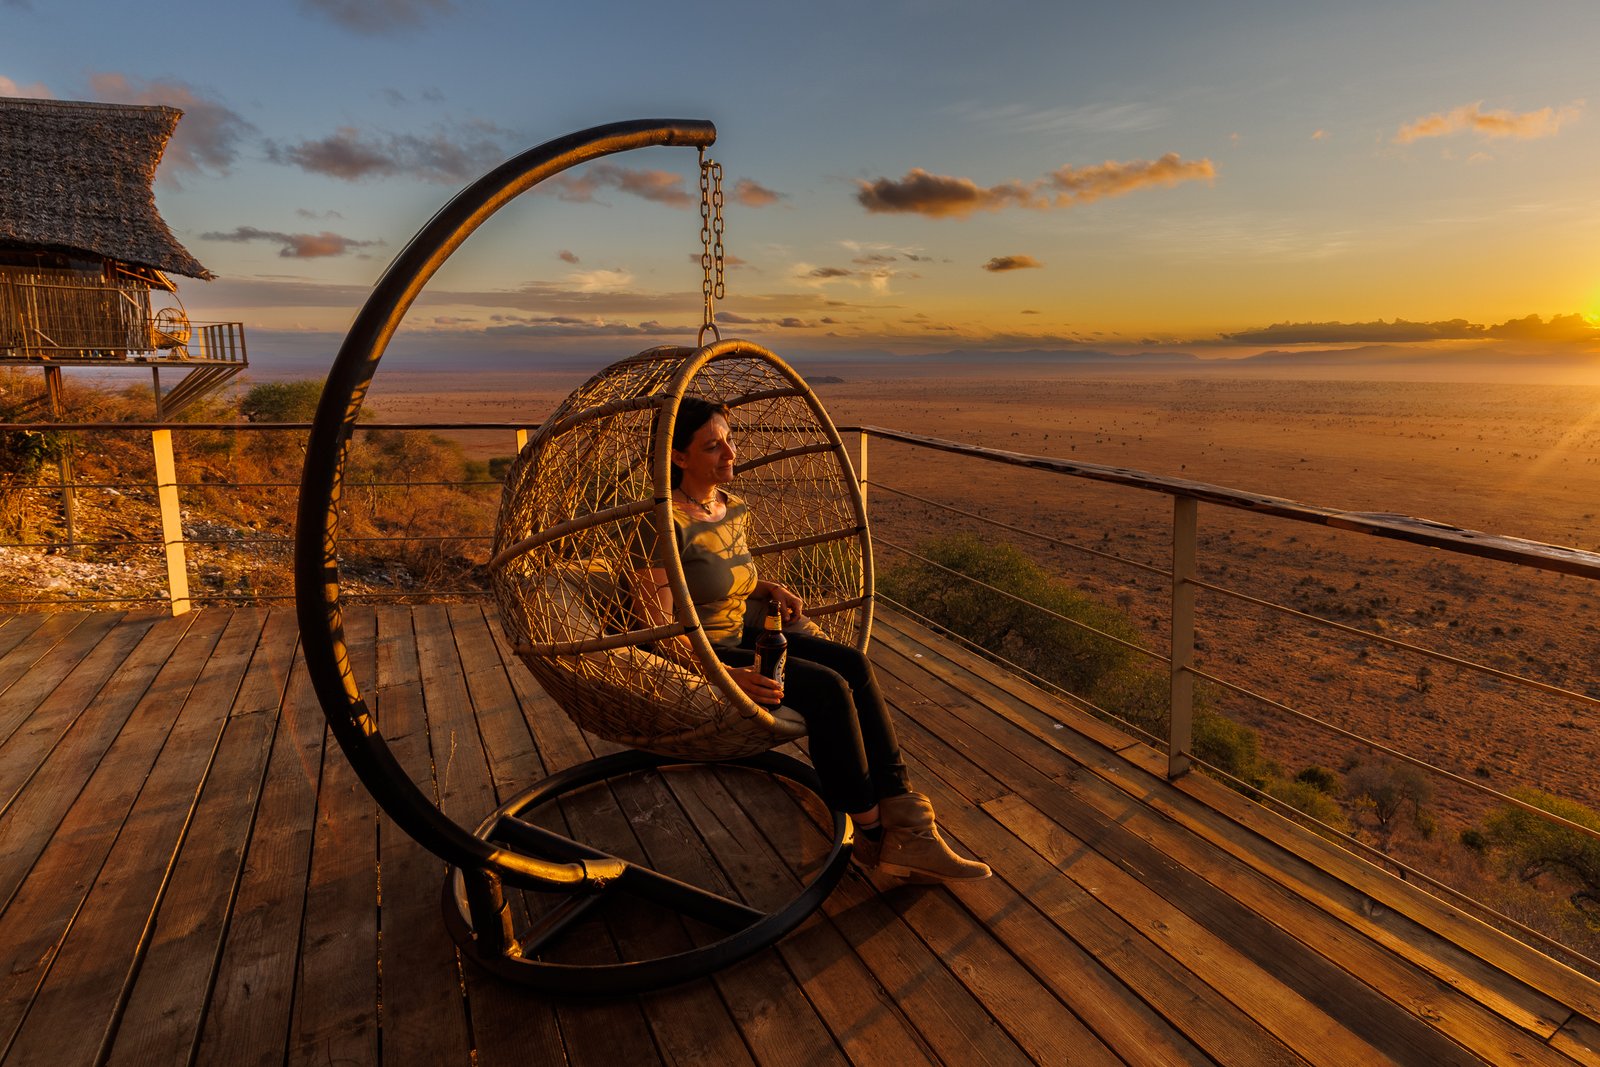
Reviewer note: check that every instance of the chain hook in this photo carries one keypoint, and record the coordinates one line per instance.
(711, 255)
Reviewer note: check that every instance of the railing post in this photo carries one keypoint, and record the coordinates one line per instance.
(861, 469)
(171, 521)
(1180, 736)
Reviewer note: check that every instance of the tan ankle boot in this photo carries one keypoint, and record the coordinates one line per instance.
(912, 847)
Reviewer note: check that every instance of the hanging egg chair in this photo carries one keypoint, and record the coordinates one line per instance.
(581, 500)
(574, 504)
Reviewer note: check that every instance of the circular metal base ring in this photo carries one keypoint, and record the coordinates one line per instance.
(474, 910)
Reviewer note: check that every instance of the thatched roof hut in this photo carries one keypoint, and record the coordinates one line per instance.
(76, 177)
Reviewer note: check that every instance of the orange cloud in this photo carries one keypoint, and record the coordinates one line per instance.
(754, 194)
(945, 196)
(206, 140)
(941, 196)
(36, 91)
(1005, 263)
(294, 245)
(1080, 185)
(1525, 126)
(660, 186)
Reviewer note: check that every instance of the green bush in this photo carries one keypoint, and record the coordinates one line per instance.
(1065, 653)
(1109, 675)
(1533, 846)
(1320, 779)
(1308, 798)
(281, 401)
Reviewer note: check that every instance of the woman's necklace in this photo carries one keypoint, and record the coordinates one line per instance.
(704, 505)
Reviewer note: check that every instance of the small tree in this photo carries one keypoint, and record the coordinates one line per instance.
(1383, 789)
(281, 401)
(1535, 846)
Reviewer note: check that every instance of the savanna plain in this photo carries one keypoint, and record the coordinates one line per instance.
(1516, 459)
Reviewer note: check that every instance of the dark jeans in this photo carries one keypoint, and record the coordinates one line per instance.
(852, 741)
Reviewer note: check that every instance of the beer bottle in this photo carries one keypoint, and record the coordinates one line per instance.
(772, 648)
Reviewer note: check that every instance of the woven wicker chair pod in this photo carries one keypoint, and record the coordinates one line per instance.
(578, 513)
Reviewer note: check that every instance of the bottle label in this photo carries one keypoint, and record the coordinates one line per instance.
(773, 662)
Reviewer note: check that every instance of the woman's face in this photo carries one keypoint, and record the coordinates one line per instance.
(709, 458)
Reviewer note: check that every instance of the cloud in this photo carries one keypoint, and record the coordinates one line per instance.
(1100, 118)
(829, 272)
(1559, 328)
(727, 260)
(1005, 263)
(567, 256)
(350, 156)
(1525, 126)
(1080, 185)
(1529, 328)
(660, 186)
(295, 245)
(939, 195)
(207, 138)
(945, 196)
(378, 17)
(753, 194)
(307, 213)
(1320, 135)
(600, 281)
(36, 91)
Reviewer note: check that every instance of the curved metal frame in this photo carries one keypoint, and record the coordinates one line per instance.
(479, 919)
(316, 566)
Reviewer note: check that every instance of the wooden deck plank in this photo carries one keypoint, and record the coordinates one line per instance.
(1483, 951)
(889, 934)
(861, 1014)
(161, 1020)
(1273, 926)
(41, 664)
(1128, 914)
(71, 827)
(50, 717)
(247, 1020)
(335, 1013)
(75, 1011)
(424, 1015)
(15, 628)
(690, 1023)
(1455, 971)
(592, 1031)
(777, 1023)
(35, 649)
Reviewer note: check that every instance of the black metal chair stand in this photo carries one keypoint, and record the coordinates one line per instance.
(506, 851)
(480, 916)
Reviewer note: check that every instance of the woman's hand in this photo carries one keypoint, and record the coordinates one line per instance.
(757, 686)
(790, 606)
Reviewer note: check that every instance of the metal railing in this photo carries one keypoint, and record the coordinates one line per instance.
(168, 492)
(1180, 574)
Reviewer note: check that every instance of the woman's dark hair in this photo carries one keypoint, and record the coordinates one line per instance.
(693, 413)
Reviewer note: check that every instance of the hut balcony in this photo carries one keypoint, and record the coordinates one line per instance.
(190, 871)
(78, 317)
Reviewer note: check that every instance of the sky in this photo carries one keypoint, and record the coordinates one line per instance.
(910, 176)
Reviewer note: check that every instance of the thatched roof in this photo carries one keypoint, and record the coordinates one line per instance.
(76, 177)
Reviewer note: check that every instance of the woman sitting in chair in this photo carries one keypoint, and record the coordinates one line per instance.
(852, 741)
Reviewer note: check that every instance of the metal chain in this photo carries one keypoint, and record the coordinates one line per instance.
(711, 287)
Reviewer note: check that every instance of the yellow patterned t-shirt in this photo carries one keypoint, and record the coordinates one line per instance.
(717, 568)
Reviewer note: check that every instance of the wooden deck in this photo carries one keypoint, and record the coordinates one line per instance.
(189, 872)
